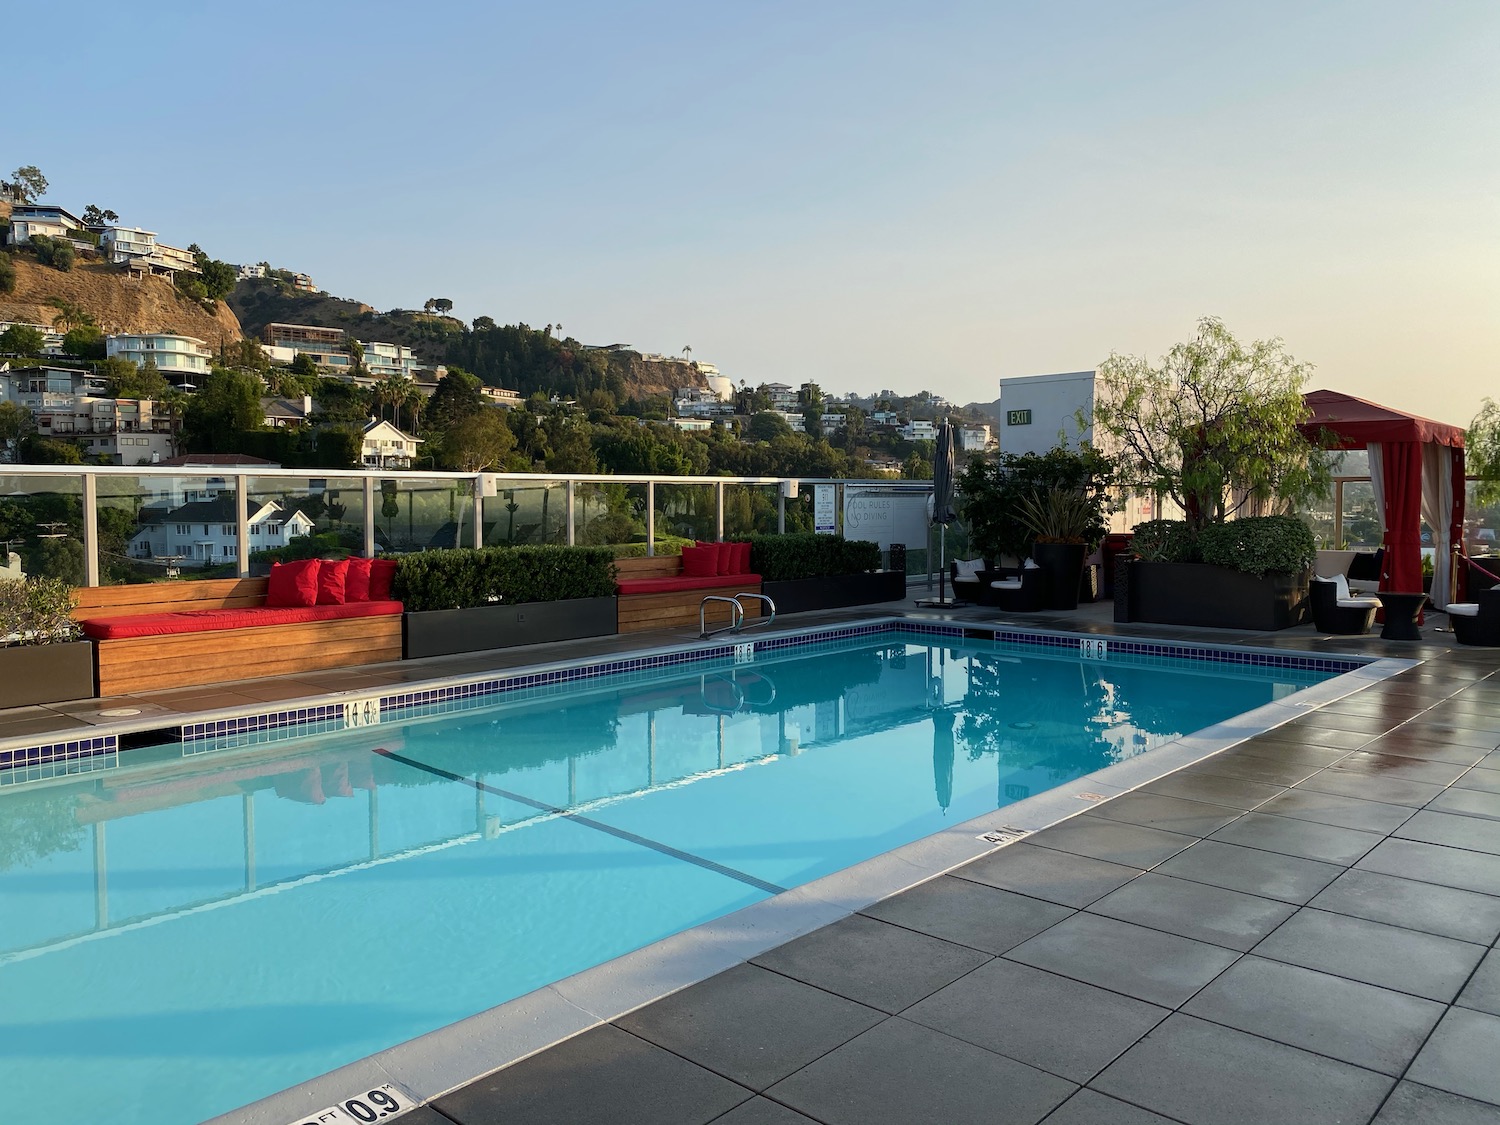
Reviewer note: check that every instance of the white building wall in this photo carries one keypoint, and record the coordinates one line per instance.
(1054, 402)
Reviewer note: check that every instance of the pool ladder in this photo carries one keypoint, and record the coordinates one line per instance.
(736, 614)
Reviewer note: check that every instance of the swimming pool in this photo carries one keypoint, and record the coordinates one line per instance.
(188, 935)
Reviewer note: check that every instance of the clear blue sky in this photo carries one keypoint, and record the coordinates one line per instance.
(865, 194)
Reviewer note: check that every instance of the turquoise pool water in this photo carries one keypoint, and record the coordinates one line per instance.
(184, 936)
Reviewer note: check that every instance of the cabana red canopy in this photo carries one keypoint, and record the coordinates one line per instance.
(1417, 470)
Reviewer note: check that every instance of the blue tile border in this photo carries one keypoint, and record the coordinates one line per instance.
(85, 754)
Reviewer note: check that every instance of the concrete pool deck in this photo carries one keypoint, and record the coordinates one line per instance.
(1301, 928)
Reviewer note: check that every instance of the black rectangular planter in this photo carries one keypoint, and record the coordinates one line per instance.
(1212, 596)
(443, 632)
(836, 591)
(33, 674)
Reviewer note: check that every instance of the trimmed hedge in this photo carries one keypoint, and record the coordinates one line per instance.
(785, 558)
(1260, 545)
(464, 577)
(1165, 541)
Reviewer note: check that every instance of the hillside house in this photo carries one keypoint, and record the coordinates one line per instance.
(287, 413)
(386, 447)
(52, 339)
(44, 218)
(138, 249)
(178, 358)
(204, 531)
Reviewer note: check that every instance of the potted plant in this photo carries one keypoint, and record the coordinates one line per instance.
(1060, 520)
(468, 600)
(809, 571)
(1250, 573)
(42, 659)
(992, 488)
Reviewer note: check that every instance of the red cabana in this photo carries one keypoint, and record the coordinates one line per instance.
(1417, 472)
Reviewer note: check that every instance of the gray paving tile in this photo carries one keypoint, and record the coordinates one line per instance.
(1358, 1023)
(1088, 1107)
(1476, 834)
(900, 1072)
(1332, 744)
(873, 962)
(1341, 812)
(1468, 802)
(1422, 744)
(424, 1115)
(1480, 718)
(1064, 1026)
(1479, 780)
(1232, 792)
(750, 1024)
(1256, 872)
(1483, 990)
(1150, 965)
(1390, 790)
(1195, 910)
(1405, 960)
(1434, 909)
(1456, 733)
(1247, 767)
(762, 1111)
(1305, 838)
(1433, 863)
(1460, 1056)
(971, 914)
(1412, 1104)
(1133, 845)
(1355, 724)
(1169, 814)
(1398, 766)
(602, 1075)
(1204, 1074)
(1056, 876)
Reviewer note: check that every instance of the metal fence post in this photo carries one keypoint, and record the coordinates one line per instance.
(242, 526)
(719, 512)
(478, 536)
(572, 530)
(650, 518)
(90, 529)
(369, 516)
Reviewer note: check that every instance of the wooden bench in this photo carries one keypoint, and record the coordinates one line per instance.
(677, 609)
(219, 655)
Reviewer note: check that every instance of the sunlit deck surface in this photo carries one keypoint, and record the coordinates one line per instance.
(1301, 928)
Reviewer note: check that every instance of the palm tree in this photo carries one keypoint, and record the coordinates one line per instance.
(687, 351)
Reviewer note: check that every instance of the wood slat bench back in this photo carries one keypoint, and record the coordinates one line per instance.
(168, 597)
(659, 566)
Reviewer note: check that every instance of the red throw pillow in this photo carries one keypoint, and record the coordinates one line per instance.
(382, 571)
(331, 582)
(294, 583)
(701, 561)
(728, 556)
(722, 554)
(357, 580)
(741, 559)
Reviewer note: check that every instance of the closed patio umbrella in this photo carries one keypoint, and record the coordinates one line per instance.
(942, 507)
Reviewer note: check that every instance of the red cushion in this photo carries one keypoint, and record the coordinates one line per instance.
(382, 572)
(747, 582)
(331, 577)
(294, 583)
(701, 561)
(357, 580)
(212, 620)
(741, 559)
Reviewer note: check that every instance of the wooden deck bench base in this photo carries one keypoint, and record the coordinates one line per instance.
(136, 664)
(675, 609)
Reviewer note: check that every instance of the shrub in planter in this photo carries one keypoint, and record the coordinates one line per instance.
(464, 577)
(1259, 545)
(782, 558)
(36, 611)
(1165, 541)
(42, 659)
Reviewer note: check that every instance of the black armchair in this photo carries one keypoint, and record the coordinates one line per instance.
(1017, 590)
(1334, 611)
(1477, 622)
(969, 588)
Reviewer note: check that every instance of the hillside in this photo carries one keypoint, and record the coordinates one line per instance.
(115, 301)
(259, 302)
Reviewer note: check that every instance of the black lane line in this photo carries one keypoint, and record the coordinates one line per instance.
(589, 822)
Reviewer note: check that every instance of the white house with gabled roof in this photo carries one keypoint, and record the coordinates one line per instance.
(386, 447)
(203, 531)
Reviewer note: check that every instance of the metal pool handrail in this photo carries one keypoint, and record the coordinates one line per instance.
(736, 617)
(761, 622)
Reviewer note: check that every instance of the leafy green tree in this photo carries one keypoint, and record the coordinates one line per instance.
(991, 489)
(767, 426)
(246, 355)
(94, 217)
(304, 364)
(15, 424)
(22, 339)
(55, 252)
(916, 468)
(483, 323)
(227, 403)
(37, 450)
(27, 184)
(1213, 426)
(124, 379)
(458, 396)
(480, 441)
(442, 305)
(1482, 455)
(216, 277)
(810, 398)
(85, 341)
(7, 273)
(342, 404)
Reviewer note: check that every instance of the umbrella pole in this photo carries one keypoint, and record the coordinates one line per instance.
(943, 562)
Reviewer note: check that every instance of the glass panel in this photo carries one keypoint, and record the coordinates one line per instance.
(1482, 518)
(1318, 514)
(609, 514)
(1361, 527)
(1352, 463)
(685, 512)
(132, 523)
(303, 518)
(423, 515)
(526, 514)
(749, 509)
(41, 524)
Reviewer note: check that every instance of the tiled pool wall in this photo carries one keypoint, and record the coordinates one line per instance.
(59, 758)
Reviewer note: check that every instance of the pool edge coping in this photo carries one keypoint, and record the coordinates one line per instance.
(447, 1058)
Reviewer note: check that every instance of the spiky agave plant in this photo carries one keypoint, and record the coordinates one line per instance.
(1056, 515)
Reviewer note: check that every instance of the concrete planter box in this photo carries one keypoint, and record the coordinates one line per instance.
(1211, 596)
(443, 632)
(34, 674)
(836, 591)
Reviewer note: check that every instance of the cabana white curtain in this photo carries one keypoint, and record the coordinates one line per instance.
(1437, 504)
(1377, 481)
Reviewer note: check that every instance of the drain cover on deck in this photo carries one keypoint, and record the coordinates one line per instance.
(1002, 836)
(119, 712)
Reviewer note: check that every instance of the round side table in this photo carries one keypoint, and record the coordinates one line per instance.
(1401, 615)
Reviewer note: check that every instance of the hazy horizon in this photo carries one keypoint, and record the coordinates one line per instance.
(861, 195)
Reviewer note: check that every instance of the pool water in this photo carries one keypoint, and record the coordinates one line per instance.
(186, 936)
